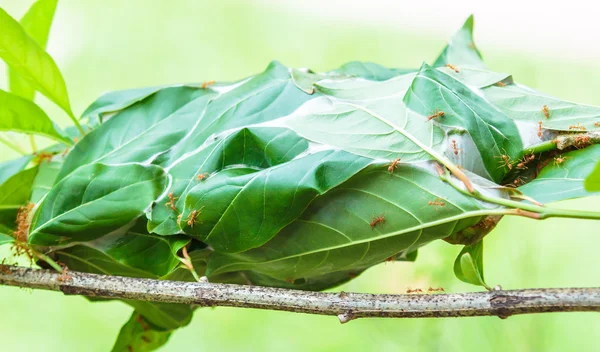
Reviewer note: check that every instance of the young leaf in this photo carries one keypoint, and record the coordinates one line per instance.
(563, 178)
(14, 193)
(33, 64)
(492, 132)
(525, 104)
(468, 266)
(18, 114)
(461, 50)
(116, 101)
(140, 335)
(36, 23)
(95, 200)
(592, 182)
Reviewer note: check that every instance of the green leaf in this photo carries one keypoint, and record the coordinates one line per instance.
(45, 178)
(244, 209)
(14, 193)
(334, 234)
(256, 147)
(492, 132)
(21, 115)
(133, 253)
(525, 104)
(357, 90)
(370, 71)
(564, 180)
(95, 200)
(31, 62)
(461, 51)
(5, 239)
(36, 23)
(140, 335)
(142, 132)
(592, 182)
(11, 167)
(468, 266)
(116, 101)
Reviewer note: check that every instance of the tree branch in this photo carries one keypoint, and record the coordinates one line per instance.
(346, 306)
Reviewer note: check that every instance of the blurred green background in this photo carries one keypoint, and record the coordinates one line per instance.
(111, 44)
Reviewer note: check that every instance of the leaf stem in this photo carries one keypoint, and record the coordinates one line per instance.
(12, 146)
(48, 260)
(524, 209)
(76, 122)
(540, 148)
(32, 143)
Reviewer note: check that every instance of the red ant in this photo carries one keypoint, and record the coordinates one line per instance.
(202, 177)
(452, 67)
(500, 84)
(582, 141)
(517, 182)
(546, 111)
(505, 161)
(526, 160)
(439, 289)
(540, 132)
(559, 160)
(393, 165)
(597, 124)
(207, 83)
(436, 114)
(191, 220)
(577, 127)
(454, 147)
(416, 290)
(171, 202)
(377, 220)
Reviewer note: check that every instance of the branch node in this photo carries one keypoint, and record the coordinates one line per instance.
(346, 317)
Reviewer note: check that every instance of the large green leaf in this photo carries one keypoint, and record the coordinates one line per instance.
(468, 266)
(461, 50)
(140, 335)
(95, 200)
(11, 167)
(370, 71)
(337, 231)
(115, 101)
(592, 182)
(21, 115)
(258, 100)
(564, 180)
(525, 104)
(14, 193)
(142, 132)
(492, 132)
(239, 208)
(36, 23)
(31, 62)
(256, 147)
(132, 253)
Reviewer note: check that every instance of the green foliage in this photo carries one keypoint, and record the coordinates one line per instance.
(468, 266)
(31, 62)
(21, 115)
(36, 23)
(592, 182)
(288, 178)
(139, 335)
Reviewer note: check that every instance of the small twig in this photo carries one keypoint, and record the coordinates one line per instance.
(346, 306)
